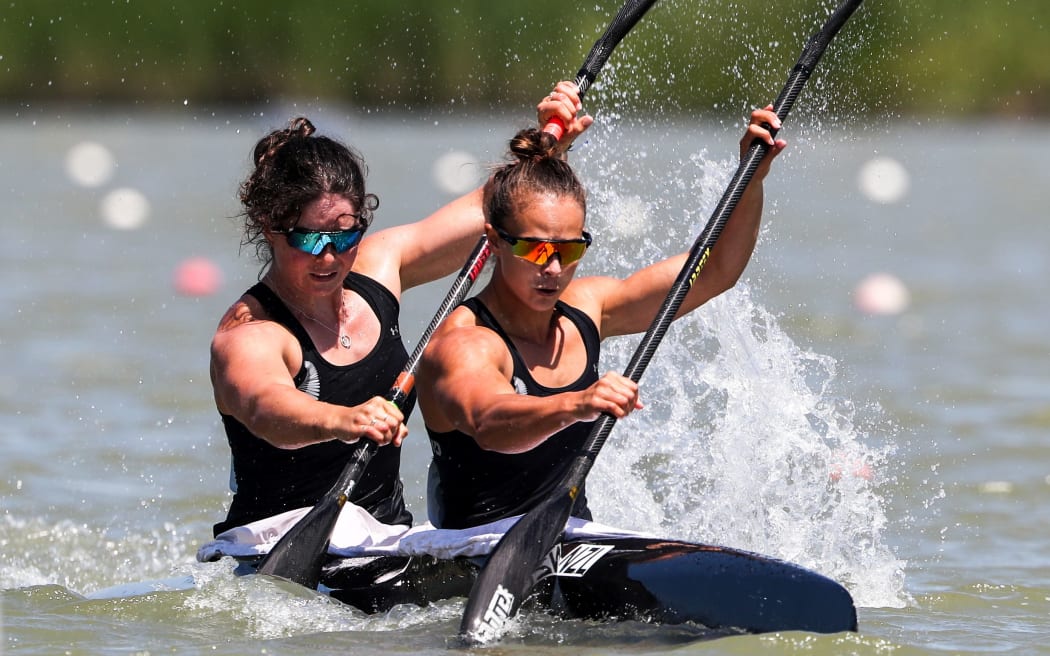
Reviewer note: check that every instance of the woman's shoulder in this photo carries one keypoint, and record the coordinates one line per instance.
(462, 332)
(459, 324)
(248, 341)
(245, 309)
(588, 294)
(378, 258)
(247, 321)
(592, 286)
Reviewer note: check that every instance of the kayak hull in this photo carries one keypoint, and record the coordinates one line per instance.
(622, 578)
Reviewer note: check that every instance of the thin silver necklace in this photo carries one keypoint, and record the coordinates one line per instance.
(344, 340)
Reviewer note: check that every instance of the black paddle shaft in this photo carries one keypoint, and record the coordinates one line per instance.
(630, 13)
(517, 562)
(406, 379)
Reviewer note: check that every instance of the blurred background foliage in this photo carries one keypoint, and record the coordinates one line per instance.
(895, 58)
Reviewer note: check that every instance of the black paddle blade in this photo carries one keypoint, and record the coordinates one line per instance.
(516, 565)
(300, 553)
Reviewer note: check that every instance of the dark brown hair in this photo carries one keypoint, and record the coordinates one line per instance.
(535, 167)
(292, 168)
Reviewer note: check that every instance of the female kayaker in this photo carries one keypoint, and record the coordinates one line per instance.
(509, 386)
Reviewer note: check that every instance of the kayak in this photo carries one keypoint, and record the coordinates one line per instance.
(621, 578)
(596, 572)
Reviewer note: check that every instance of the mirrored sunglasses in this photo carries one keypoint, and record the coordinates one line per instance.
(314, 241)
(540, 251)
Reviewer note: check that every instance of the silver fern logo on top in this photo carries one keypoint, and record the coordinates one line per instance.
(519, 386)
(312, 383)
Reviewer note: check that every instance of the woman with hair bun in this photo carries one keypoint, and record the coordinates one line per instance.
(301, 361)
(509, 385)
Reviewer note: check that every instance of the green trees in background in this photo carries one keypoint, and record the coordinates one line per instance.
(941, 57)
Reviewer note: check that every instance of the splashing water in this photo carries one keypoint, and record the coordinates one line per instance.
(81, 572)
(743, 441)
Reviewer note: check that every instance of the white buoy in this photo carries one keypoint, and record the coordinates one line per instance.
(457, 172)
(997, 487)
(881, 293)
(884, 180)
(125, 209)
(90, 164)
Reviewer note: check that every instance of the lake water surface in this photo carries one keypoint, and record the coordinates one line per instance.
(762, 406)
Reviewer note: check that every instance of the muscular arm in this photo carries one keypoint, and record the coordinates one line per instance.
(252, 365)
(464, 385)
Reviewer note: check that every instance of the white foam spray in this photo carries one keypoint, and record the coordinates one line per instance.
(745, 440)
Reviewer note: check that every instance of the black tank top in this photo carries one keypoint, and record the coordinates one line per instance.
(267, 480)
(475, 486)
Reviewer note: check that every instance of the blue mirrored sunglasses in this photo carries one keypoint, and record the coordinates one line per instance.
(314, 241)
